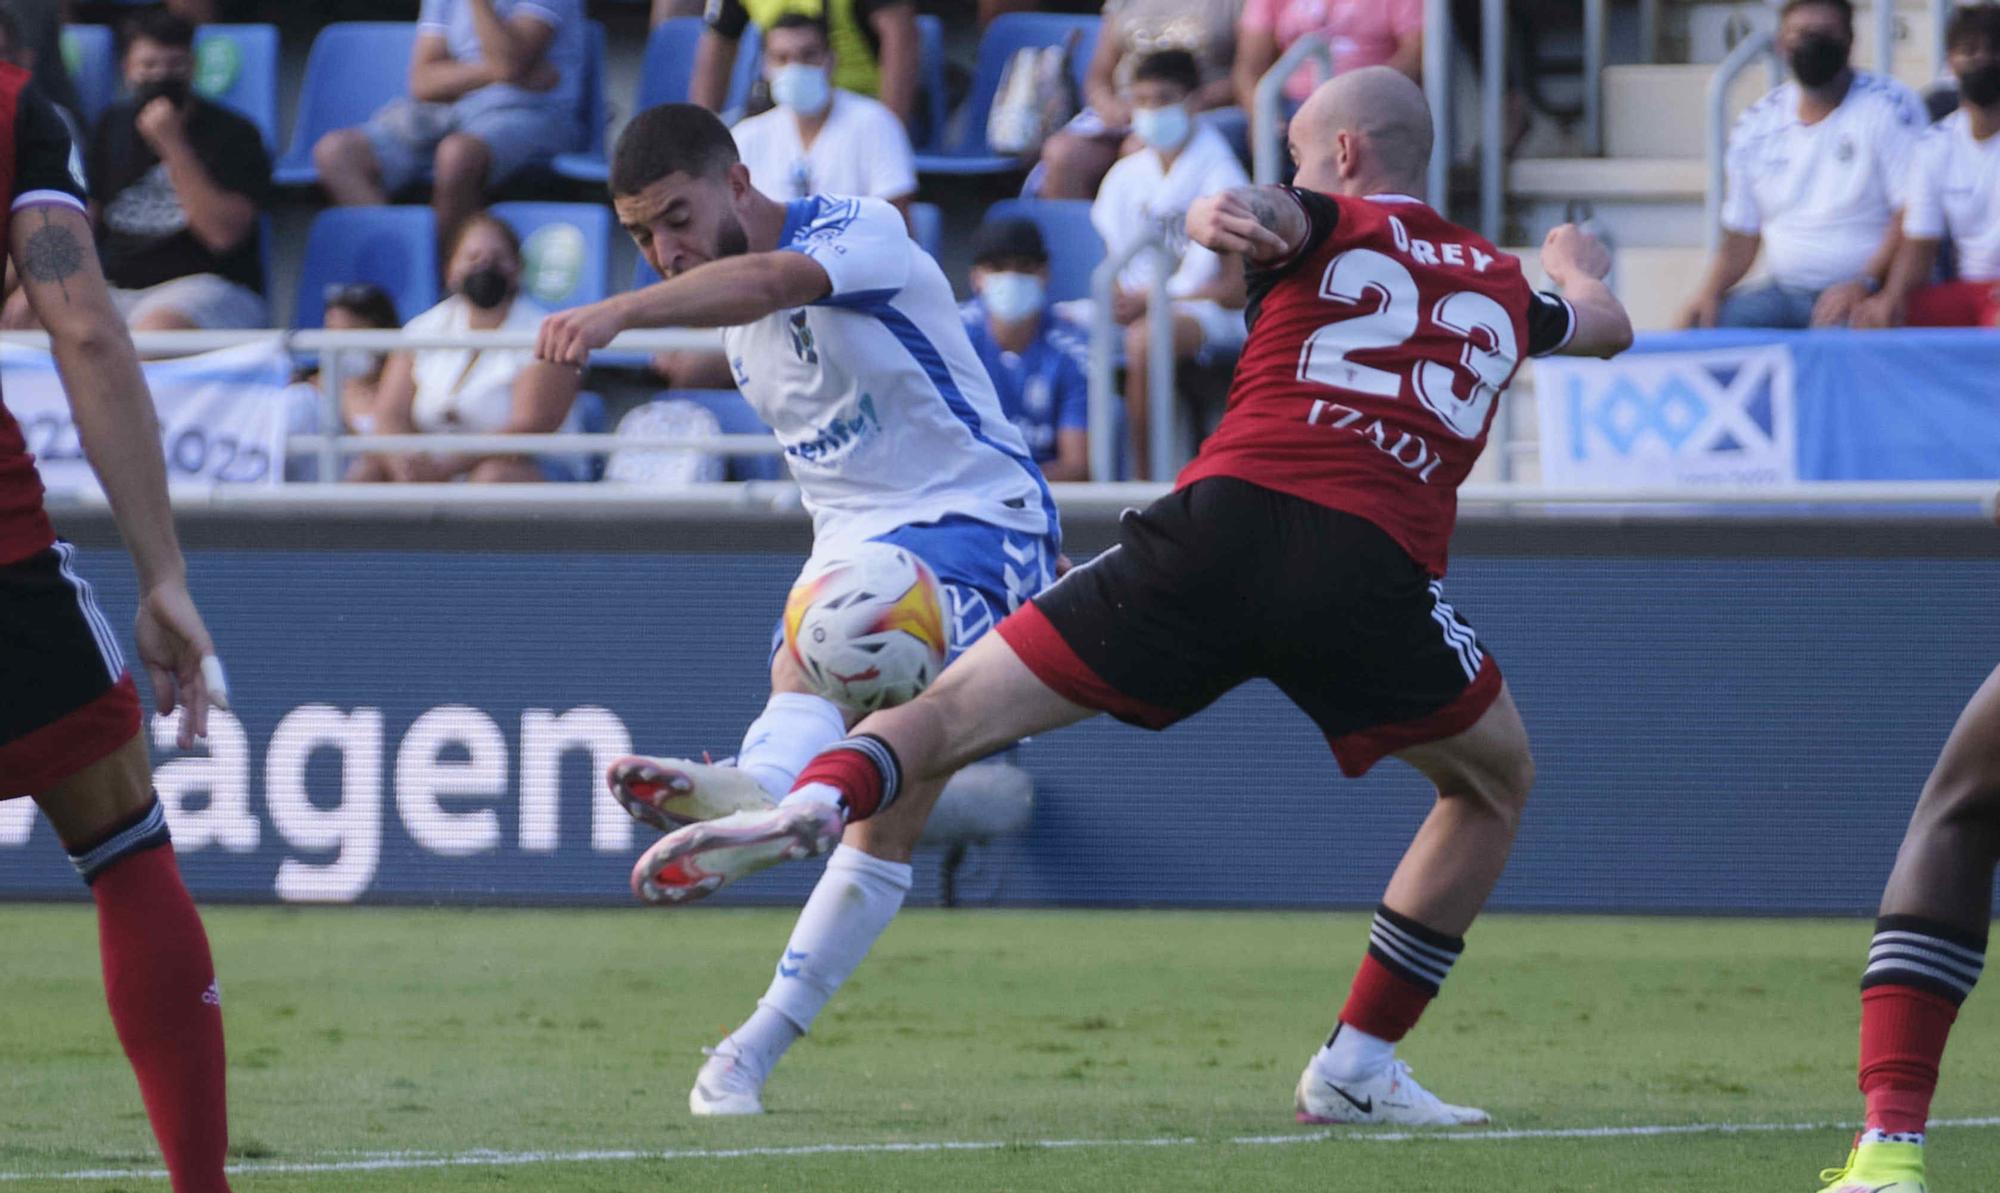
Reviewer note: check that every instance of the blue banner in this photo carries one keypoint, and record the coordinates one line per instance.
(1712, 734)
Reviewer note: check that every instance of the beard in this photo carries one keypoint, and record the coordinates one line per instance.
(730, 239)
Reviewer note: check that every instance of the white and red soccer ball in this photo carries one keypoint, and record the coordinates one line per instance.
(868, 628)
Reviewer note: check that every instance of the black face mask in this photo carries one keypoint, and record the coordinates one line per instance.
(487, 287)
(1980, 86)
(1816, 59)
(174, 91)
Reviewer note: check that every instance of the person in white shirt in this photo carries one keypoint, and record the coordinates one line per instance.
(820, 139)
(482, 392)
(1955, 189)
(1816, 171)
(844, 337)
(1146, 197)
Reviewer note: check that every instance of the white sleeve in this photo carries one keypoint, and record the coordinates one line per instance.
(862, 244)
(892, 164)
(1739, 201)
(1923, 199)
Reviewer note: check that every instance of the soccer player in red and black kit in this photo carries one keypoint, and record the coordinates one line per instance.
(1305, 545)
(69, 713)
(1928, 951)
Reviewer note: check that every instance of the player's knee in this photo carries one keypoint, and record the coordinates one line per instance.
(1497, 786)
(461, 161)
(1959, 800)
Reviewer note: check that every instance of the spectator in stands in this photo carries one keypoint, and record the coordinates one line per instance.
(1359, 33)
(988, 9)
(1075, 159)
(495, 87)
(821, 139)
(1145, 197)
(874, 45)
(358, 306)
(1955, 189)
(483, 392)
(178, 184)
(1035, 357)
(1816, 171)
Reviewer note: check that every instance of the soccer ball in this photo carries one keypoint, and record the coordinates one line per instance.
(868, 628)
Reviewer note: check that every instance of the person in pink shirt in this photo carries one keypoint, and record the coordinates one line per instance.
(1359, 33)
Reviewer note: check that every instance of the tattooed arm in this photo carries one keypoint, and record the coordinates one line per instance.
(1263, 224)
(52, 249)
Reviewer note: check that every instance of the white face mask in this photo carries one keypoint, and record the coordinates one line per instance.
(358, 362)
(1163, 128)
(1011, 297)
(801, 88)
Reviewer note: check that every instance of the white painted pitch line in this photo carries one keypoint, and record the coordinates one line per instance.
(400, 1161)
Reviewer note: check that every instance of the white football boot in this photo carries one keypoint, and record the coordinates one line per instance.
(726, 1085)
(666, 793)
(1389, 1096)
(697, 860)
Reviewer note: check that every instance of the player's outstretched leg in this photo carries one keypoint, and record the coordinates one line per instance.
(1482, 778)
(986, 700)
(1929, 948)
(158, 976)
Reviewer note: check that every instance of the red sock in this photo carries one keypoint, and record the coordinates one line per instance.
(1903, 1033)
(160, 982)
(863, 769)
(1406, 965)
(1383, 1004)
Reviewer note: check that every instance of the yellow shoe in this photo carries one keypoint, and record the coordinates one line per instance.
(1879, 1168)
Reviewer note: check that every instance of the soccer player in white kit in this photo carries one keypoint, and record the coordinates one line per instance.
(843, 335)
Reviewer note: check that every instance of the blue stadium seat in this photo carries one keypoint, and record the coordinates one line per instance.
(933, 105)
(743, 76)
(1074, 246)
(964, 150)
(90, 55)
(589, 164)
(354, 68)
(669, 63)
(237, 65)
(393, 247)
(566, 250)
(736, 418)
(927, 226)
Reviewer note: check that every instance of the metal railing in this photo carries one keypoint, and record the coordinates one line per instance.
(1758, 43)
(1438, 48)
(1105, 396)
(1267, 109)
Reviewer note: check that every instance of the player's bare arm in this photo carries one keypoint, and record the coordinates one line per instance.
(1578, 263)
(53, 251)
(725, 293)
(1261, 224)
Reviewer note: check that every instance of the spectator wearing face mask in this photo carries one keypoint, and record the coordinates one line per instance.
(1035, 357)
(1146, 197)
(1815, 177)
(820, 139)
(358, 306)
(474, 391)
(1955, 189)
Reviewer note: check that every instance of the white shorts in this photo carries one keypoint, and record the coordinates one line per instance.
(209, 301)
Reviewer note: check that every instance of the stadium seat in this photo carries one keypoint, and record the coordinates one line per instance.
(237, 65)
(933, 104)
(354, 68)
(743, 76)
(589, 164)
(90, 55)
(565, 249)
(964, 149)
(736, 418)
(393, 247)
(1074, 246)
(668, 66)
(927, 227)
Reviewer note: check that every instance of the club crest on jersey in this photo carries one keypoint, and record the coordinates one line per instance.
(802, 338)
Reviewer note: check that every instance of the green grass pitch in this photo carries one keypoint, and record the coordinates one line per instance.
(397, 1037)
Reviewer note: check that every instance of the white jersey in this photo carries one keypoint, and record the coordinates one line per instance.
(862, 149)
(1821, 195)
(1956, 189)
(1141, 200)
(886, 415)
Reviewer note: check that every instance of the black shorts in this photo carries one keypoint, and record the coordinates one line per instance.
(1224, 581)
(65, 699)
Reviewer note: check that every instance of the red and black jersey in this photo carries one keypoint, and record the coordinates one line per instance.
(39, 166)
(1376, 356)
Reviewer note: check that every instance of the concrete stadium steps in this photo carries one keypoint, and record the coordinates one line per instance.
(1637, 201)
(1662, 111)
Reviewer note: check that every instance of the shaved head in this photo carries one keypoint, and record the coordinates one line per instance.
(1363, 132)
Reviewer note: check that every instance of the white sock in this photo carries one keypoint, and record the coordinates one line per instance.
(855, 900)
(763, 1038)
(793, 728)
(1351, 1054)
